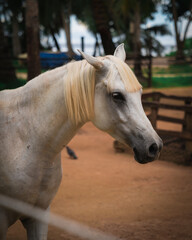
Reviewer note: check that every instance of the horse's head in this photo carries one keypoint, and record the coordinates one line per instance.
(118, 108)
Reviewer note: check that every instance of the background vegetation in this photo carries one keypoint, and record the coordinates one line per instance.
(25, 23)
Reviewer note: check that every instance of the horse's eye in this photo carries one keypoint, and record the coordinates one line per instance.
(117, 96)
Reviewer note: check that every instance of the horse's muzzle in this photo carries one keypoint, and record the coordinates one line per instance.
(148, 154)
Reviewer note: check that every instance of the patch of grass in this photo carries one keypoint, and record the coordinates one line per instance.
(172, 76)
(173, 69)
(177, 81)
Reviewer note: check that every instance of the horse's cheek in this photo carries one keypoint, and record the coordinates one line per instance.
(101, 118)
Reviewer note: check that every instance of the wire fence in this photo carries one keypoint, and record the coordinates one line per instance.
(70, 226)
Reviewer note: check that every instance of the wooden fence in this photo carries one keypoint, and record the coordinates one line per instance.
(152, 102)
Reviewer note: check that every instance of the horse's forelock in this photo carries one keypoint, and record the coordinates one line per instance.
(127, 76)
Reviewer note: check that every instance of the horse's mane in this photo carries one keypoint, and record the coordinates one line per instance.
(79, 86)
(79, 91)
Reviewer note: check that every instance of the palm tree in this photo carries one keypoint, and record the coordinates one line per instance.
(149, 41)
(151, 44)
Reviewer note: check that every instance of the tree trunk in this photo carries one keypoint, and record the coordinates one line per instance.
(32, 31)
(96, 46)
(54, 38)
(102, 26)
(15, 37)
(137, 43)
(65, 16)
(179, 42)
(7, 72)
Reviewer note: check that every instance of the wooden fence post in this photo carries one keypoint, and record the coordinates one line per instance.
(82, 44)
(188, 128)
(150, 71)
(154, 111)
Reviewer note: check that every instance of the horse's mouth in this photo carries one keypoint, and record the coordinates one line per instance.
(142, 158)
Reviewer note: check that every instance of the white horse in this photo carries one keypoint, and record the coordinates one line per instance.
(40, 118)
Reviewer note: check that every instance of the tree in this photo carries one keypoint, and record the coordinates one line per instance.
(54, 16)
(15, 8)
(7, 72)
(95, 14)
(151, 44)
(65, 16)
(149, 41)
(188, 47)
(100, 14)
(50, 19)
(135, 13)
(33, 41)
(136, 39)
(178, 10)
(12, 13)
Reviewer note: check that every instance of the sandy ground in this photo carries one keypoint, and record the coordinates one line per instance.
(112, 192)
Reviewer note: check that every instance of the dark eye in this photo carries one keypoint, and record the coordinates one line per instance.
(117, 96)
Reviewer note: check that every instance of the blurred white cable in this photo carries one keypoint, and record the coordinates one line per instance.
(70, 226)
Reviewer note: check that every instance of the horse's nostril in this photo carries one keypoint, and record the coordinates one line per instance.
(153, 149)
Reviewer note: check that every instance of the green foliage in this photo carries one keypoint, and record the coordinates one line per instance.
(188, 43)
(171, 54)
(188, 47)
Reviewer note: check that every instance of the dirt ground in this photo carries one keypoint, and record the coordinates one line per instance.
(113, 193)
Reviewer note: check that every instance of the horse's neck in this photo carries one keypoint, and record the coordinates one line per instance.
(50, 123)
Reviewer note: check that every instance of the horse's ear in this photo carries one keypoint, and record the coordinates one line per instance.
(120, 52)
(96, 63)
